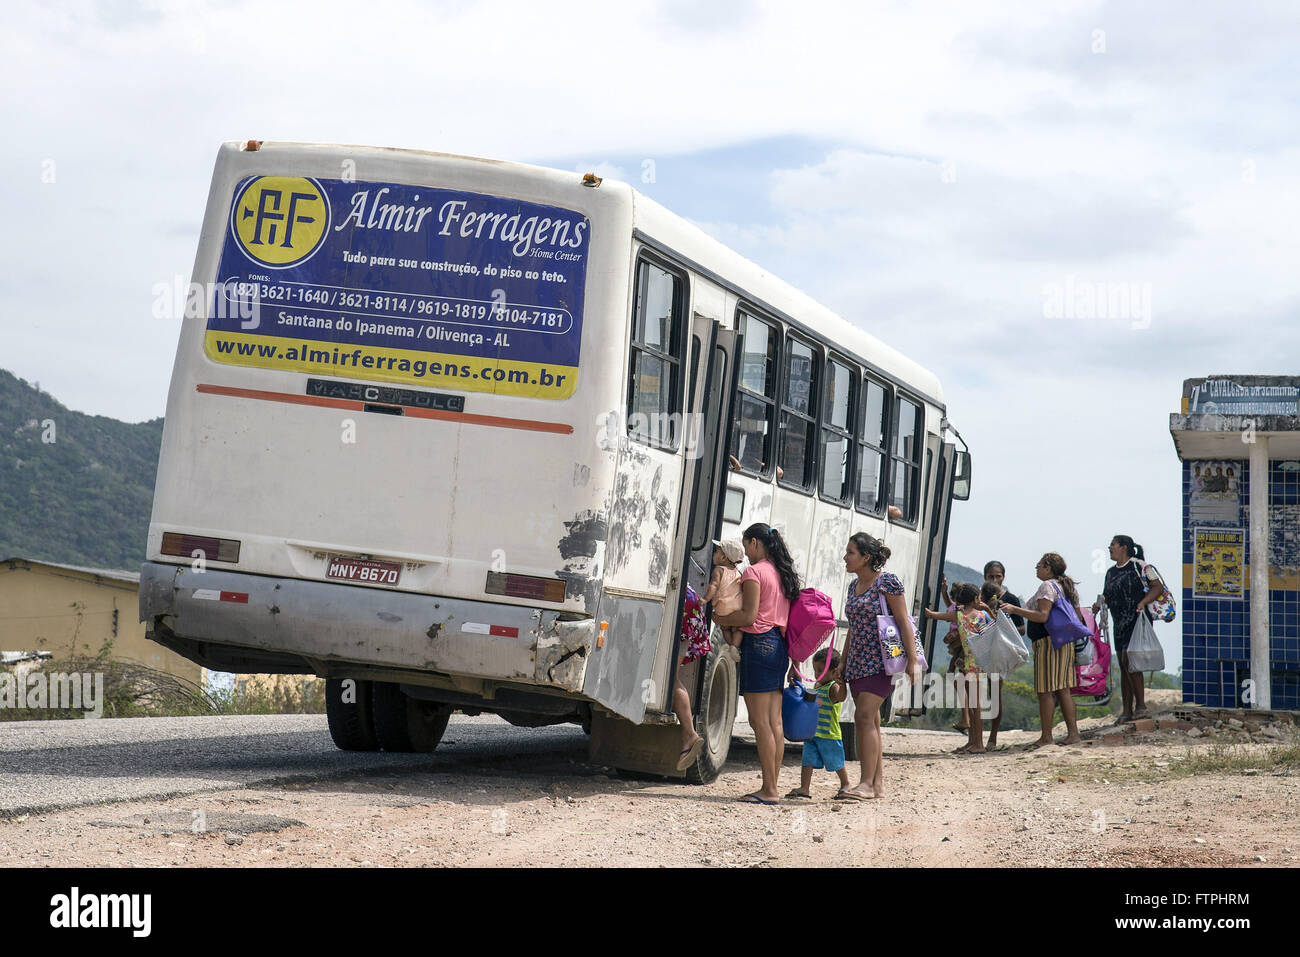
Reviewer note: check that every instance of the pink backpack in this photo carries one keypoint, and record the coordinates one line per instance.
(811, 621)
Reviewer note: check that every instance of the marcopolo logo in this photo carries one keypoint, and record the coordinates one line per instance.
(280, 221)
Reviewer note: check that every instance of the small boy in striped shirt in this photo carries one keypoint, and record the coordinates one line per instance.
(826, 749)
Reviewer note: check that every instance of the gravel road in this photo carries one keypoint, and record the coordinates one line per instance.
(273, 791)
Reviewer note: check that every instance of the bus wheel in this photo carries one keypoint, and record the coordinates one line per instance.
(406, 724)
(426, 723)
(351, 724)
(717, 715)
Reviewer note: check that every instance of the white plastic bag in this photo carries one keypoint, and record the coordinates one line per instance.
(998, 649)
(1144, 651)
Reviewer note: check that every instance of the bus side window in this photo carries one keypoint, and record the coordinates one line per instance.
(751, 438)
(837, 431)
(906, 456)
(798, 414)
(871, 448)
(654, 371)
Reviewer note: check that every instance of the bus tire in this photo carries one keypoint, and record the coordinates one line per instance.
(388, 705)
(717, 716)
(351, 723)
(426, 722)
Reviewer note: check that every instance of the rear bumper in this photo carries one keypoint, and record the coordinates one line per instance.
(234, 621)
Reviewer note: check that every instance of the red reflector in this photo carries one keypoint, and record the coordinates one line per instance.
(239, 596)
(504, 632)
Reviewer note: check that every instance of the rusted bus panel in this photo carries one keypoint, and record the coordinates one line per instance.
(642, 514)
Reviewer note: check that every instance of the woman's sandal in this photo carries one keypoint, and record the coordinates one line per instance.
(688, 755)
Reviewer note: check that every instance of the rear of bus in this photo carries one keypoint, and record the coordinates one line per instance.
(382, 458)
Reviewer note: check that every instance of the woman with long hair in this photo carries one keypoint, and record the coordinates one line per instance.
(1130, 586)
(767, 587)
(1054, 674)
(863, 666)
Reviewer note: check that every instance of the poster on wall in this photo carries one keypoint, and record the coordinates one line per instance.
(1215, 494)
(1218, 562)
(1284, 542)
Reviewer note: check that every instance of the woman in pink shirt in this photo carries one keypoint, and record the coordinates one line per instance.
(767, 587)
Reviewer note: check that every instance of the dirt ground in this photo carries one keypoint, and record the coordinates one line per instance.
(1130, 805)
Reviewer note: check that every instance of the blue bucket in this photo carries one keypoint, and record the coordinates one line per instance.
(799, 713)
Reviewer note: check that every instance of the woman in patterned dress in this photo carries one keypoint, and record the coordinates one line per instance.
(1054, 673)
(863, 668)
(1130, 586)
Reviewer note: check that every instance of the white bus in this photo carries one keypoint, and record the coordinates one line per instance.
(456, 434)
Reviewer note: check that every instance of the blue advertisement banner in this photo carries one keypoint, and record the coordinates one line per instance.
(397, 283)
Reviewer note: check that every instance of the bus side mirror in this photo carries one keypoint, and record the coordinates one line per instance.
(961, 477)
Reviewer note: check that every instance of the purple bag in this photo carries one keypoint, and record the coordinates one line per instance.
(891, 641)
(1063, 624)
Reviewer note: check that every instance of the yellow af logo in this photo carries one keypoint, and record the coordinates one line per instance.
(280, 221)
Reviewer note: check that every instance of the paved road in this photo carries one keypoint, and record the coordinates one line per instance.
(51, 765)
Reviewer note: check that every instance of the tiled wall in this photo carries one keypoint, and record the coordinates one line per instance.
(1216, 631)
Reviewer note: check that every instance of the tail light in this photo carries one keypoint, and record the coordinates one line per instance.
(212, 549)
(525, 586)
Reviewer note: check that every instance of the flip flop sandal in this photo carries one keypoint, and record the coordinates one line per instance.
(850, 796)
(688, 755)
(755, 799)
(964, 749)
(796, 793)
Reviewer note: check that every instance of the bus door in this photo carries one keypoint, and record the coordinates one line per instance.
(934, 544)
(706, 485)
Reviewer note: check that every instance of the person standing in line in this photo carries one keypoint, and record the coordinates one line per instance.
(994, 574)
(1130, 586)
(826, 749)
(767, 587)
(1054, 673)
(863, 664)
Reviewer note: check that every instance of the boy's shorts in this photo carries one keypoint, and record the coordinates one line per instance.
(823, 752)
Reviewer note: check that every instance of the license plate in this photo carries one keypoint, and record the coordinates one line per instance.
(363, 570)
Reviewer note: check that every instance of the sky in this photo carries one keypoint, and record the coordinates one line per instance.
(939, 174)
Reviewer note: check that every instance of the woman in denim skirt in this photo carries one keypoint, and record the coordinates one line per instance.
(767, 587)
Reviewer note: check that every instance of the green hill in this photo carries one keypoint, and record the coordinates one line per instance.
(82, 498)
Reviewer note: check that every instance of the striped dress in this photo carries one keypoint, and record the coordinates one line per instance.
(1053, 667)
